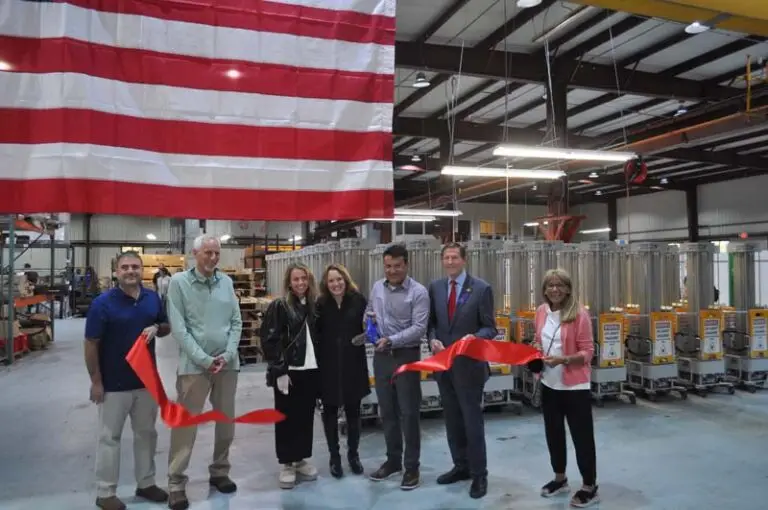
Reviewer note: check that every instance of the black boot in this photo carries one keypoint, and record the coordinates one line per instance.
(353, 442)
(331, 426)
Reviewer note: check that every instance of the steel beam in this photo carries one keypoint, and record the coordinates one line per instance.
(744, 16)
(532, 69)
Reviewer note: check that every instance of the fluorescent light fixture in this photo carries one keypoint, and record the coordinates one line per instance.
(296, 238)
(151, 237)
(424, 219)
(524, 4)
(696, 28)
(513, 173)
(596, 230)
(531, 224)
(5, 66)
(225, 238)
(426, 212)
(520, 151)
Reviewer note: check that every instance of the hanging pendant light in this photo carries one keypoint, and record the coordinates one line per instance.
(421, 81)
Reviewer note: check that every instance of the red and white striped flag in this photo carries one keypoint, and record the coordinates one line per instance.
(228, 109)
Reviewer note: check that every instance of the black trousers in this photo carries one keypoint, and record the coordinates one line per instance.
(575, 407)
(293, 435)
(331, 427)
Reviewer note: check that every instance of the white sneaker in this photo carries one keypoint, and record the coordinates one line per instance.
(287, 476)
(306, 470)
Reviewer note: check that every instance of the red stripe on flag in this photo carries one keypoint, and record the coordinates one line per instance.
(24, 126)
(64, 55)
(259, 15)
(110, 197)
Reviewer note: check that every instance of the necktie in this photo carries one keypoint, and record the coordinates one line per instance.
(452, 301)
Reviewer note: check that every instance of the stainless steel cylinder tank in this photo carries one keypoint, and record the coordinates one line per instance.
(424, 260)
(670, 275)
(699, 274)
(483, 258)
(540, 257)
(568, 260)
(353, 254)
(595, 291)
(375, 266)
(512, 271)
(742, 277)
(645, 269)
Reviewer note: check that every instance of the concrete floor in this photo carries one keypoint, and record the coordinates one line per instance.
(698, 454)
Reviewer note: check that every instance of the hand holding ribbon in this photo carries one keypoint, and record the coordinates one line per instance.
(174, 414)
(492, 351)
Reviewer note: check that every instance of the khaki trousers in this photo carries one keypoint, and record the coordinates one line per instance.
(116, 407)
(192, 391)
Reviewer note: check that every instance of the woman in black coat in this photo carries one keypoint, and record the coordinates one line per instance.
(343, 366)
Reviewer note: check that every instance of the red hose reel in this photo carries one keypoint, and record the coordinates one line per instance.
(636, 171)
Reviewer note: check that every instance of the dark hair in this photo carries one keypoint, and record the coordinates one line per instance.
(396, 251)
(131, 254)
(455, 246)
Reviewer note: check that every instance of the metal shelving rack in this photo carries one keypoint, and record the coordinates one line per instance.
(10, 227)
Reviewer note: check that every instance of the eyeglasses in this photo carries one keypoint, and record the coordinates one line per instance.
(556, 286)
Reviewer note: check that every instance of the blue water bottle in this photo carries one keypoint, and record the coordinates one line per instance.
(371, 330)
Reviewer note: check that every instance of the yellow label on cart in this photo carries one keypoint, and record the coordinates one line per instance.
(758, 334)
(611, 340)
(502, 335)
(663, 329)
(711, 334)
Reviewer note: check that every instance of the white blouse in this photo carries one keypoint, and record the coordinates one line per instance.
(552, 377)
(310, 361)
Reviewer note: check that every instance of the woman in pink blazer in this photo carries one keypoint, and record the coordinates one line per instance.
(564, 335)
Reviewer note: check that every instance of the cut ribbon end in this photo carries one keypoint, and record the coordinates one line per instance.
(173, 414)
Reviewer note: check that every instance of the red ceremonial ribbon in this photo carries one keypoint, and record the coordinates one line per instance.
(174, 414)
(492, 351)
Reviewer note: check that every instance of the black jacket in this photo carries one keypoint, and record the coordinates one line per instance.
(284, 335)
(343, 366)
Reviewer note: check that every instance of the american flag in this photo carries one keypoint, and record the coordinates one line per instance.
(228, 109)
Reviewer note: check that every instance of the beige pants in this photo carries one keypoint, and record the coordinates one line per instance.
(117, 406)
(192, 391)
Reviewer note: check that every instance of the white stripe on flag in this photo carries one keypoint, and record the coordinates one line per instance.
(70, 90)
(54, 20)
(379, 7)
(82, 161)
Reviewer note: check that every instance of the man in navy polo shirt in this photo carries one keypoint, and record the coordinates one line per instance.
(115, 320)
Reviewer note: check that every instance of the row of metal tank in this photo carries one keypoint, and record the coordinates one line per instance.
(605, 275)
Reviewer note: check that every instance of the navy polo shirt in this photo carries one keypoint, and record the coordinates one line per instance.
(115, 319)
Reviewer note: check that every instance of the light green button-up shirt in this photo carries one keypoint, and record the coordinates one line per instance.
(205, 320)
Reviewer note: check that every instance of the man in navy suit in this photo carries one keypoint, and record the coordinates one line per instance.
(462, 305)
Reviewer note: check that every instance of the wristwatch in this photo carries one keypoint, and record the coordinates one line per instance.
(566, 360)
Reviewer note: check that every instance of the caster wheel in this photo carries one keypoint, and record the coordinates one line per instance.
(684, 395)
(731, 390)
(751, 389)
(703, 394)
(599, 403)
(633, 400)
(652, 397)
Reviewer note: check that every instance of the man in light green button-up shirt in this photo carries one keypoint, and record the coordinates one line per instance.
(205, 321)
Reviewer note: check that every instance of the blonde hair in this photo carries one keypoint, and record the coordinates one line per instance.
(570, 306)
(349, 284)
(311, 285)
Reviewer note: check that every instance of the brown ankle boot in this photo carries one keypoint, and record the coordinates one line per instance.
(177, 500)
(110, 503)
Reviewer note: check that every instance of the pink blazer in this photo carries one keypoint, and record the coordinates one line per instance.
(577, 339)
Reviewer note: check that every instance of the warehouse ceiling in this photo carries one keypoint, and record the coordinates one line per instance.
(629, 78)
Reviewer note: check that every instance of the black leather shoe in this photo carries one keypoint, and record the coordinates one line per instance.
(336, 469)
(223, 484)
(355, 465)
(454, 475)
(479, 487)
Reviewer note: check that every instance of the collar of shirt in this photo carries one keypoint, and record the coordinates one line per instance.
(197, 277)
(459, 282)
(405, 285)
(121, 294)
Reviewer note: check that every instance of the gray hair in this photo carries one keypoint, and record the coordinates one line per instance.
(202, 239)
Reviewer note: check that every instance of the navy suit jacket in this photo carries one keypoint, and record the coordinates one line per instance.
(474, 314)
